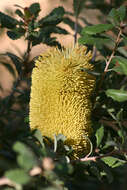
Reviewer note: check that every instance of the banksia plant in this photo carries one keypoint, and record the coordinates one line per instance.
(60, 96)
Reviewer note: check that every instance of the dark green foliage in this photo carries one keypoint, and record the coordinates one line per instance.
(95, 29)
(7, 21)
(39, 31)
(118, 95)
(54, 18)
(30, 161)
(16, 33)
(117, 15)
(18, 176)
(34, 9)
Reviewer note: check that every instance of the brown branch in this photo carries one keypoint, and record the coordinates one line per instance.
(35, 171)
(5, 181)
(95, 158)
(76, 30)
(114, 50)
(110, 58)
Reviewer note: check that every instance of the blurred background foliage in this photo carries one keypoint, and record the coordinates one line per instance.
(26, 160)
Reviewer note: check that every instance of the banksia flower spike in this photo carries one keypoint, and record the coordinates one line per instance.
(60, 96)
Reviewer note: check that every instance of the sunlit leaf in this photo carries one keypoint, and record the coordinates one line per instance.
(99, 135)
(121, 62)
(97, 29)
(113, 162)
(26, 158)
(117, 95)
(18, 176)
(97, 41)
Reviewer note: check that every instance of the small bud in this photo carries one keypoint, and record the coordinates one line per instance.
(48, 164)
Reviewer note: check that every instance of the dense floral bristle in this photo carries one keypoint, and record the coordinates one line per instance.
(60, 96)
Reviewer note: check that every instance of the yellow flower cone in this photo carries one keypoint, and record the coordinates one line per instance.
(60, 96)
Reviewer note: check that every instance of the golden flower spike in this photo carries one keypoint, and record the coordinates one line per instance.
(60, 96)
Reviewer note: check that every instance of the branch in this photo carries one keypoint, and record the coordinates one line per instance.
(27, 51)
(110, 58)
(76, 30)
(114, 50)
(95, 158)
(6, 181)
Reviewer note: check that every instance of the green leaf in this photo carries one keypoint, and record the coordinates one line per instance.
(18, 176)
(14, 35)
(39, 137)
(125, 40)
(27, 13)
(119, 115)
(26, 119)
(113, 162)
(26, 158)
(122, 51)
(117, 95)
(117, 15)
(7, 21)
(118, 69)
(78, 5)
(19, 13)
(54, 18)
(44, 36)
(99, 135)
(122, 12)
(90, 40)
(99, 28)
(122, 63)
(34, 8)
(59, 30)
